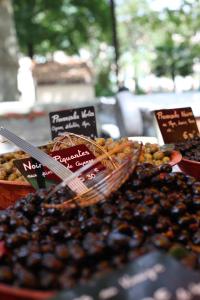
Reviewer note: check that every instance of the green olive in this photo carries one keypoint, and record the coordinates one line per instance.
(166, 160)
(148, 156)
(154, 148)
(158, 155)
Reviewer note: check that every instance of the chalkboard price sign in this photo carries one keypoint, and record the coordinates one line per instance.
(79, 121)
(155, 276)
(177, 124)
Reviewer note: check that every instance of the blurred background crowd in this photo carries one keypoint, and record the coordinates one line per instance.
(121, 55)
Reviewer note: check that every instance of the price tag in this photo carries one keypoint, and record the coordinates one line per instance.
(177, 124)
(154, 276)
(78, 121)
(73, 158)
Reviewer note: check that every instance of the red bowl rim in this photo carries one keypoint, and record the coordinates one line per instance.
(26, 293)
(17, 183)
(190, 161)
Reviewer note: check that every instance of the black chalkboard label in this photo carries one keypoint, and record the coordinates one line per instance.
(79, 121)
(177, 124)
(155, 276)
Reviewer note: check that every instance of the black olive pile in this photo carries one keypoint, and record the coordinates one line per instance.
(49, 249)
(190, 149)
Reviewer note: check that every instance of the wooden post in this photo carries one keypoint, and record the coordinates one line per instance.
(115, 39)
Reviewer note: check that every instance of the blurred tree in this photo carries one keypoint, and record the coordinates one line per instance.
(105, 70)
(177, 49)
(45, 26)
(8, 53)
(173, 59)
(167, 40)
(115, 39)
(136, 37)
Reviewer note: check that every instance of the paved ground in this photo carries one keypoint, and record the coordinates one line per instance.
(34, 126)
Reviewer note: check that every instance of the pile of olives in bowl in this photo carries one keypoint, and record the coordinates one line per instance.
(151, 153)
(190, 149)
(50, 249)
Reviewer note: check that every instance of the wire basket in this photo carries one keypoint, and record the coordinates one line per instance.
(69, 139)
(103, 185)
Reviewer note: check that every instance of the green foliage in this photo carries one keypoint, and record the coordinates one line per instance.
(45, 26)
(136, 34)
(164, 40)
(176, 51)
(103, 86)
(173, 59)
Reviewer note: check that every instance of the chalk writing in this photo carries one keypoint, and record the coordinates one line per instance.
(78, 121)
(177, 125)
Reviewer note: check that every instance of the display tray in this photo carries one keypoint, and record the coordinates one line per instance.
(190, 163)
(124, 204)
(190, 167)
(10, 191)
(13, 293)
(144, 139)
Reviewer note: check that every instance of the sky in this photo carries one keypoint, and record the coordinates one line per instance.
(158, 5)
